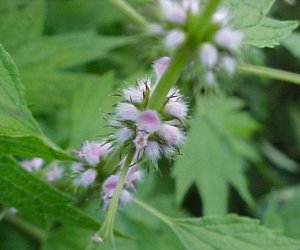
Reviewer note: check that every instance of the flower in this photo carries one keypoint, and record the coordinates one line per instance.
(218, 49)
(93, 151)
(151, 132)
(110, 184)
(32, 165)
(86, 178)
(54, 173)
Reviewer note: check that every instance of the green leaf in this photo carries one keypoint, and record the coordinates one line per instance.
(223, 232)
(260, 30)
(229, 232)
(283, 211)
(19, 132)
(214, 153)
(36, 199)
(62, 51)
(43, 60)
(21, 21)
(279, 158)
(88, 104)
(292, 44)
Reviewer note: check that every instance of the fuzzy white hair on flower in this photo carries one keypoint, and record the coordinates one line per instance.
(221, 17)
(174, 38)
(86, 178)
(229, 38)
(124, 134)
(209, 55)
(176, 109)
(92, 151)
(160, 66)
(173, 11)
(148, 121)
(171, 134)
(152, 151)
(127, 111)
(33, 164)
(228, 64)
(54, 173)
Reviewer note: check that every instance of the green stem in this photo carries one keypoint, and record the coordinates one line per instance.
(167, 220)
(106, 230)
(130, 12)
(171, 75)
(197, 31)
(27, 228)
(202, 23)
(276, 74)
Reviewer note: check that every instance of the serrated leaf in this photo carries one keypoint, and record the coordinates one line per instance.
(21, 21)
(211, 157)
(88, 106)
(36, 199)
(282, 211)
(260, 30)
(19, 132)
(229, 232)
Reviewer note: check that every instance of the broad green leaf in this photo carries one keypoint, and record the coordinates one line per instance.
(42, 64)
(292, 44)
(20, 21)
(283, 211)
(19, 132)
(250, 16)
(229, 232)
(90, 101)
(214, 153)
(36, 199)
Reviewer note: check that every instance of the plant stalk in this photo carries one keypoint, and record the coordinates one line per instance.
(130, 12)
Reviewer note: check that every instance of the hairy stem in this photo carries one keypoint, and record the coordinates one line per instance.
(130, 12)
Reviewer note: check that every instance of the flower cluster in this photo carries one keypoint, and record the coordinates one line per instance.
(92, 153)
(110, 184)
(32, 165)
(153, 133)
(219, 49)
(149, 132)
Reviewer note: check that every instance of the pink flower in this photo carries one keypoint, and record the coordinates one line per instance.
(123, 135)
(32, 165)
(172, 11)
(148, 121)
(177, 109)
(160, 66)
(93, 151)
(152, 151)
(171, 134)
(86, 178)
(174, 38)
(127, 111)
(229, 38)
(209, 55)
(54, 174)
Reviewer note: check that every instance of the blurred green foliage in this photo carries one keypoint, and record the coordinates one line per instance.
(72, 55)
